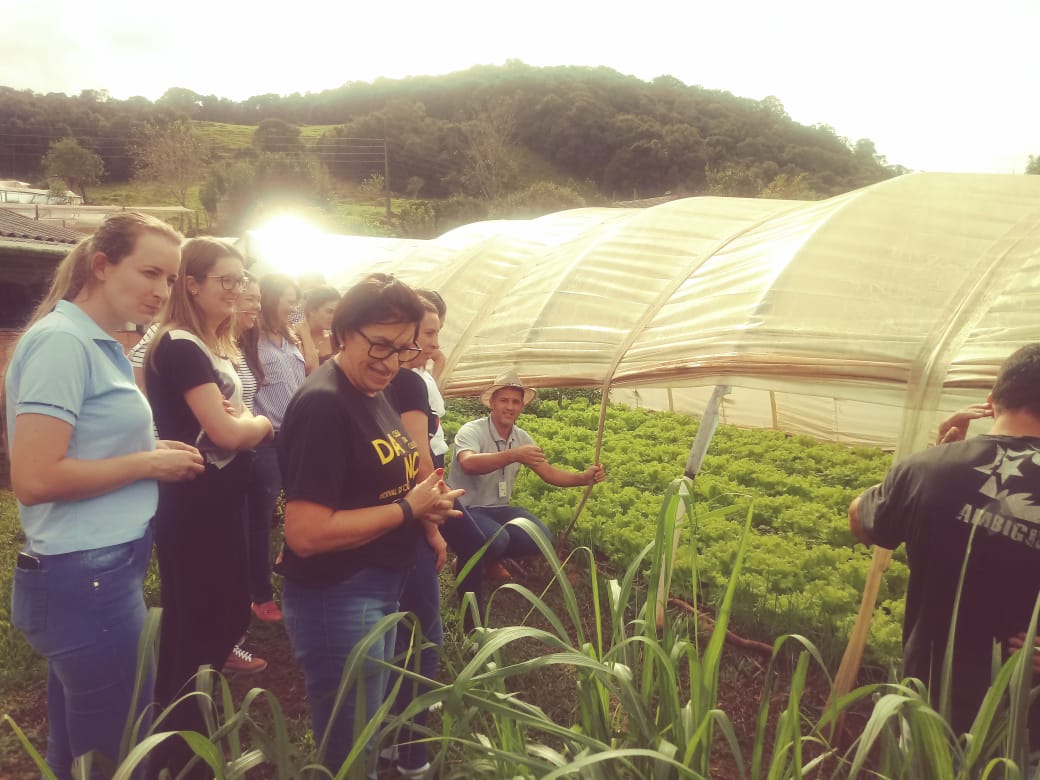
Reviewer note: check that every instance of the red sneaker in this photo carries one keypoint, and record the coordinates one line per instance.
(496, 572)
(268, 611)
(241, 660)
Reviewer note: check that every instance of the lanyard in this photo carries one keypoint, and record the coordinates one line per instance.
(491, 433)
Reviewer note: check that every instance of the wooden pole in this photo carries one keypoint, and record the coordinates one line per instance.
(386, 180)
(848, 670)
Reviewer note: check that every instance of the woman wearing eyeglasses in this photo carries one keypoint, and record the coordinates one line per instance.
(354, 510)
(272, 350)
(196, 397)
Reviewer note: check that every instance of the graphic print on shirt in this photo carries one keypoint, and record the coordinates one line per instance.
(1009, 508)
(398, 445)
(210, 451)
(230, 386)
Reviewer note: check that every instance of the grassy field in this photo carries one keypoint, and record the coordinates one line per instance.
(226, 141)
(20, 665)
(22, 672)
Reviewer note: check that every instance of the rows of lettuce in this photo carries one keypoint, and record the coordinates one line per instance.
(803, 572)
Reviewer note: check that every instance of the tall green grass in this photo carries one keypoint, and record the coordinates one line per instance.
(647, 698)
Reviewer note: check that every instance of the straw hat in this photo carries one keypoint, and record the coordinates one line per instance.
(507, 379)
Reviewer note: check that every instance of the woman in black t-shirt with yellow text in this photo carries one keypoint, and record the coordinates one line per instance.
(353, 513)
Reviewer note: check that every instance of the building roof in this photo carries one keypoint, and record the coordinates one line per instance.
(16, 226)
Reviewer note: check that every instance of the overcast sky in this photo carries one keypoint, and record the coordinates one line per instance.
(939, 86)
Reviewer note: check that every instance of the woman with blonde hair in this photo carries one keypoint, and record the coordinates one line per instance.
(85, 468)
(196, 396)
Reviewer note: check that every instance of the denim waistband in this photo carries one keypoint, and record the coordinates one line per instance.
(89, 560)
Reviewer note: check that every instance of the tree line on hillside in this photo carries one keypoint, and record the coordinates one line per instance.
(482, 136)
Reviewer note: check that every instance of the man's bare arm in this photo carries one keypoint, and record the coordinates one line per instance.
(854, 525)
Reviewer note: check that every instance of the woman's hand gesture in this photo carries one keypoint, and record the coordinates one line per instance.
(432, 500)
(175, 461)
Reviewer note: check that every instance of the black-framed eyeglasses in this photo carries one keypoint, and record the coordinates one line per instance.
(381, 350)
(232, 283)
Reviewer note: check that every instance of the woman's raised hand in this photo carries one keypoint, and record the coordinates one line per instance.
(432, 500)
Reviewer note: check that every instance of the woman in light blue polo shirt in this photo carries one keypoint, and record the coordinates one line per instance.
(84, 468)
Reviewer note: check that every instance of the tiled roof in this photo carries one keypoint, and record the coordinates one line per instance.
(16, 226)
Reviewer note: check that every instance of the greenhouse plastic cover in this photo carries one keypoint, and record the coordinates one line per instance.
(864, 318)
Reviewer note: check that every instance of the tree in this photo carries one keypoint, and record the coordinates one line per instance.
(490, 164)
(183, 101)
(773, 106)
(70, 162)
(234, 191)
(784, 187)
(733, 181)
(417, 219)
(277, 135)
(415, 183)
(1034, 164)
(539, 199)
(173, 157)
(57, 191)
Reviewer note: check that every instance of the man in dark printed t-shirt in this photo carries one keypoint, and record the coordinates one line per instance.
(933, 501)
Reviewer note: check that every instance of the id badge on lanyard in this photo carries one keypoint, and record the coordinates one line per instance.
(503, 486)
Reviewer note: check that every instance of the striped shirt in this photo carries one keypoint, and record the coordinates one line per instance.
(140, 349)
(245, 374)
(284, 372)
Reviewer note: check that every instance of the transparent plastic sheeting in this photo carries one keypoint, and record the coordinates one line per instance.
(863, 318)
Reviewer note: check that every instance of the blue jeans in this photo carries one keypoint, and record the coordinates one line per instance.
(265, 482)
(422, 597)
(478, 524)
(84, 612)
(324, 625)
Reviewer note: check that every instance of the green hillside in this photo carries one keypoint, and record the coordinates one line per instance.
(504, 141)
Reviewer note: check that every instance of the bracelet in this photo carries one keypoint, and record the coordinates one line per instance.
(409, 516)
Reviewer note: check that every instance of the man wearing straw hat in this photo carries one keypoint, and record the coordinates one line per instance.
(980, 494)
(489, 453)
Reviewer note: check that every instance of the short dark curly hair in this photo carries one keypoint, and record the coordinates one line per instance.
(1018, 383)
(377, 299)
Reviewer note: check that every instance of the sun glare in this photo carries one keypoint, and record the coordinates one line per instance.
(289, 244)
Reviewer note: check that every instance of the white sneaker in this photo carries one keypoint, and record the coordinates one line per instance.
(418, 772)
(390, 754)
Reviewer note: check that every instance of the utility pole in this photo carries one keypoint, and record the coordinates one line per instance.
(386, 177)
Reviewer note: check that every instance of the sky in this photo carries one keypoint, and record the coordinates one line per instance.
(938, 86)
